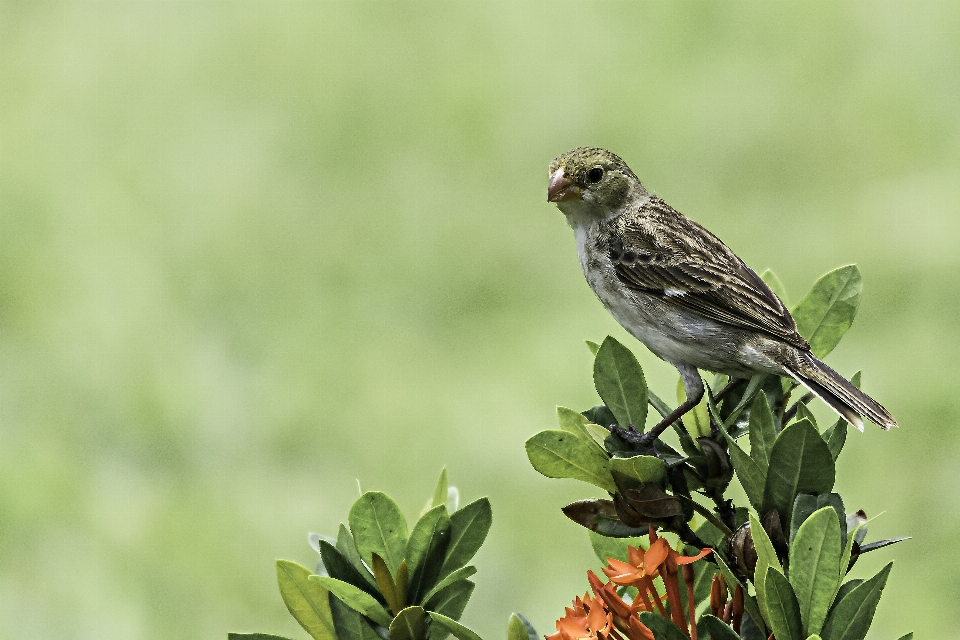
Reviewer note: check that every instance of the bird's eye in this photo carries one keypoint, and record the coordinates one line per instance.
(595, 175)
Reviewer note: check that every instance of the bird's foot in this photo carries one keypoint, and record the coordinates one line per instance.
(630, 434)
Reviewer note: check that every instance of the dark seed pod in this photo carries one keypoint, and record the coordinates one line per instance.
(742, 549)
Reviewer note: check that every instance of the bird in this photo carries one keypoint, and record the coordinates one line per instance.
(682, 292)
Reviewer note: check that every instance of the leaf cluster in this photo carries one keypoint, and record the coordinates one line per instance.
(380, 580)
(790, 548)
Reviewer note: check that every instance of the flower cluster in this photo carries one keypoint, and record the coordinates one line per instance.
(608, 616)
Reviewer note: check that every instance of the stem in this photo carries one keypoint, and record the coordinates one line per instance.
(714, 520)
(688, 578)
(792, 411)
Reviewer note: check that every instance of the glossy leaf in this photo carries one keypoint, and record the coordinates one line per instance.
(715, 628)
(593, 346)
(663, 628)
(753, 387)
(255, 636)
(762, 432)
(909, 636)
(458, 631)
(560, 454)
(348, 549)
(851, 617)
(308, 602)
(826, 313)
(350, 624)
(783, 611)
(750, 630)
(805, 504)
(519, 628)
(836, 437)
(460, 574)
(451, 600)
(766, 557)
(468, 529)
(426, 550)
(576, 423)
(410, 624)
(340, 568)
(640, 468)
(620, 382)
(379, 527)
(395, 592)
(751, 475)
(775, 285)
(750, 604)
(846, 588)
(800, 462)
(815, 567)
(804, 413)
(356, 599)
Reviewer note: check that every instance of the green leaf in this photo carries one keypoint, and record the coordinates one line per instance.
(451, 600)
(800, 462)
(804, 413)
(350, 624)
(782, 607)
(766, 557)
(619, 381)
(697, 420)
(348, 549)
(815, 567)
(531, 632)
(607, 547)
(829, 309)
(460, 574)
(254, 636)
(846, 588)
(519, 628)
(576, 423)
(593, 346)
(749, 603)
(850, 619)
(752, 477)
(426, 550)
(379, 527)
(663, 629)
(641, 468)
(715, 628)
(750, 630)
(762, 432)
(468, 529)
(307, 601)
(836, 437)
(440, 493)
(909, 636)
(753, 387)
(560, 454)
(458, 630)
(410, 624)
(848, 546)
(356, 599)
(806, 504)
(340, 568)
(775, 285)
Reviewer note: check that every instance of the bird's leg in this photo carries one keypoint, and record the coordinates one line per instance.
(693, 387)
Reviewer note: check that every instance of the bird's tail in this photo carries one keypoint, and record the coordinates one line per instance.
(840, 394)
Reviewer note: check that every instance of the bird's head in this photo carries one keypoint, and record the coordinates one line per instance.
(592, 183)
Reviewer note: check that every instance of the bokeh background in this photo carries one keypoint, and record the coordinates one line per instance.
(252, 254)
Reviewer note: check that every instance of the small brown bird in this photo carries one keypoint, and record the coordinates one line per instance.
(682, 292)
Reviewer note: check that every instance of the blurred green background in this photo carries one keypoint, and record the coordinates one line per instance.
(254, 253)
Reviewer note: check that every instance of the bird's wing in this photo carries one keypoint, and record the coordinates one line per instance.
(663, 253)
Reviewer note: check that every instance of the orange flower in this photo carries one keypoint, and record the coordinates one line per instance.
(588, 618)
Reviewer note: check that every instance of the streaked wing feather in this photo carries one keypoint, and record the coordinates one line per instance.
(715, 282)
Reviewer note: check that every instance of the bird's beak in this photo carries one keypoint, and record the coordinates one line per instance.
(562, 188)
